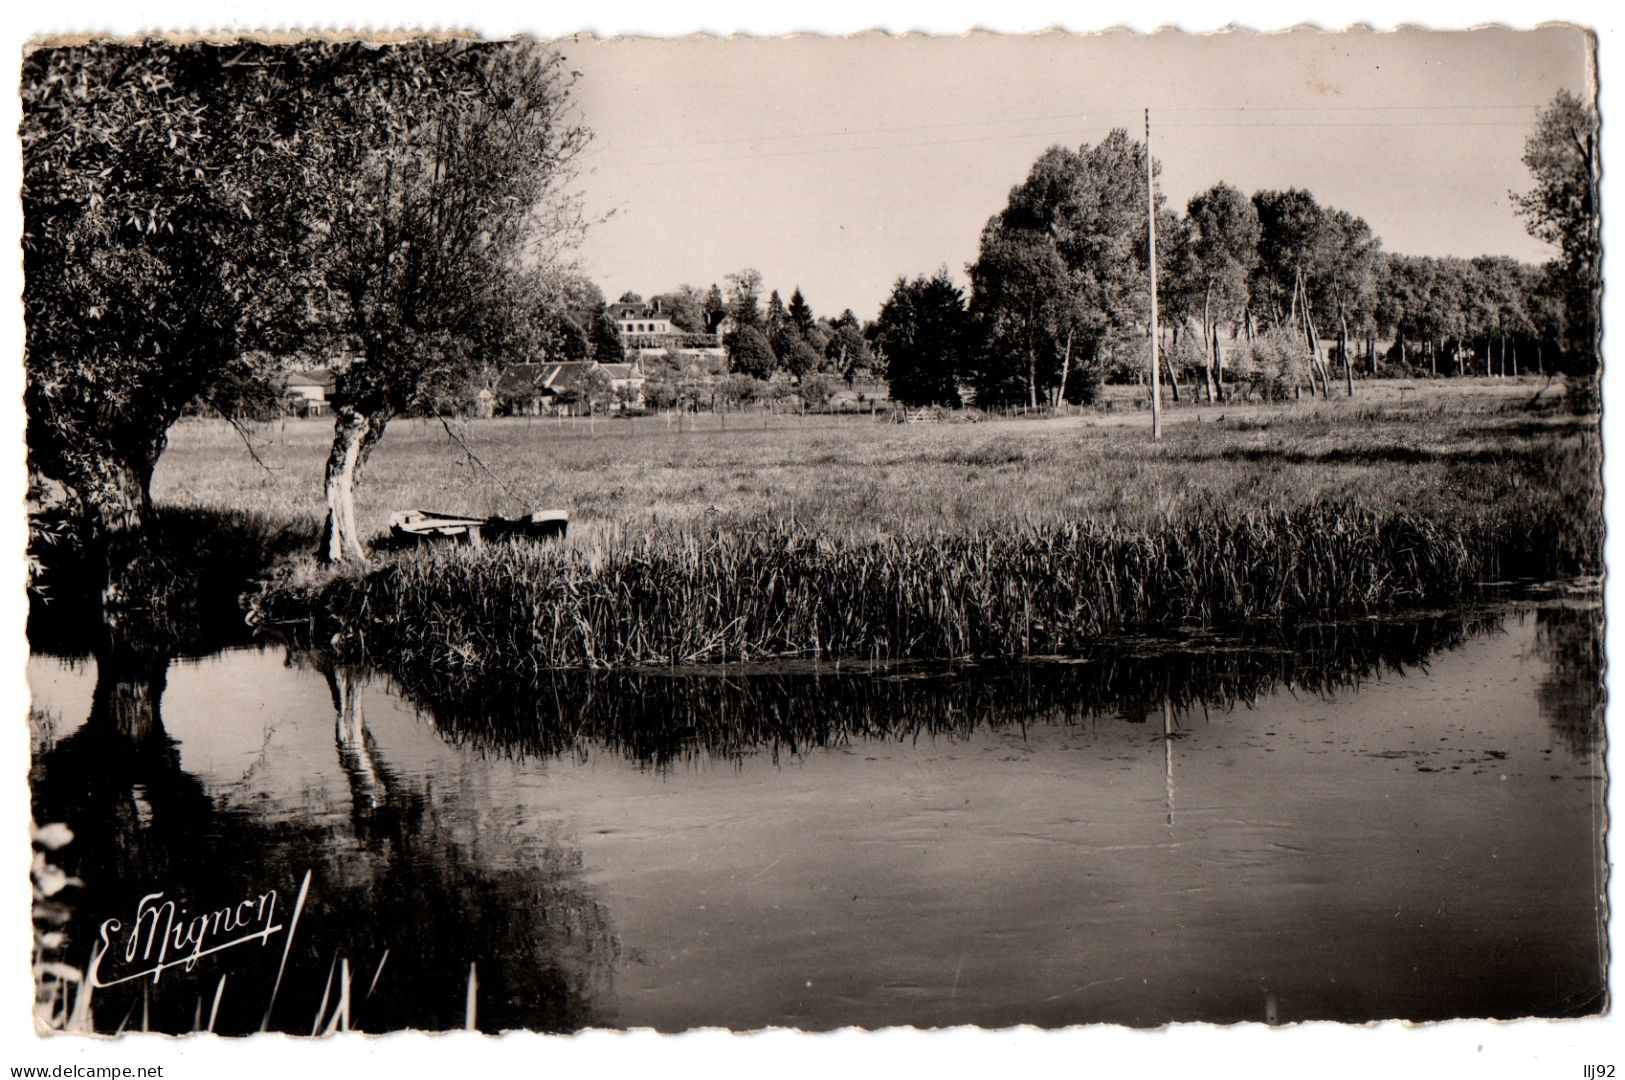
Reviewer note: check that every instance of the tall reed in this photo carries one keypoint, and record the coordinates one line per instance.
(738, 589)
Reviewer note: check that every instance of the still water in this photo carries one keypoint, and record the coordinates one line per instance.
(1379, 819)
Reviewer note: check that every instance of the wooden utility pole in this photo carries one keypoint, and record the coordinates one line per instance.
(1151, 239)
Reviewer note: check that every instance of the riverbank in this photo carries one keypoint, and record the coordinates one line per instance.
(1015, 538)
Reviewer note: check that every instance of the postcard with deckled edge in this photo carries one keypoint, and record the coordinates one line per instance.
(808, 533)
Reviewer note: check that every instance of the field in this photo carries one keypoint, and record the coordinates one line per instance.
(794, 536)
(1428, 446)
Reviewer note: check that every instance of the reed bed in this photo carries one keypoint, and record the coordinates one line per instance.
(737, 590)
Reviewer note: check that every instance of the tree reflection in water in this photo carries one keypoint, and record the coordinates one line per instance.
(400, 879)
(406, 875)
(1569, 638)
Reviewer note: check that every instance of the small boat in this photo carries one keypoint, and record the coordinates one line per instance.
(408, 528)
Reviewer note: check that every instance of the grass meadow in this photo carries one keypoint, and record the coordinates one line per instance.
(849, 536)
(1431, 446)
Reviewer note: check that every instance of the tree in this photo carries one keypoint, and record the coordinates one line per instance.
(1402, 301)
(1563, 209)
(847, 352)
(800, 313)
(561, 338)
(816, 390)
(715, 309)
(799, 358)
(1347, 276)
(1025, 303)
(164, 212)
(1225, 232)
(749, 352)
(745, 298)
(1502, 307)
(780, 333)
(686, 306)
(604, 336)
(443, 169)
(597, 390)
(1062, 265)
(923, 331)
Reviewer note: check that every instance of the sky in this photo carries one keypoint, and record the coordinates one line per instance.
(838, 164)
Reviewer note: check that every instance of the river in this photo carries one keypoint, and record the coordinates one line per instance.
(1388, 818)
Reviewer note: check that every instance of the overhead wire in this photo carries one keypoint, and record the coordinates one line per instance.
(1091, 114)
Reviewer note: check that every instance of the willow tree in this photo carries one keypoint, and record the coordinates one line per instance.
(443, 170)
(163, 214)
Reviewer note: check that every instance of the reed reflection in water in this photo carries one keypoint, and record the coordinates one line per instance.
(1352, 823)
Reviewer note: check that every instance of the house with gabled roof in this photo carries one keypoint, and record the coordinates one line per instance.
(536, 389)
(307, 392)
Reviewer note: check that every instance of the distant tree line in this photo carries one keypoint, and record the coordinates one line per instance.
(1275, 291)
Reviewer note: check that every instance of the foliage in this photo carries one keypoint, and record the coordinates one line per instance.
(1060, 266)
(847, 353)
(1224, 238)
(686, 306)
(1564, 210)
(800, 313)
(604, 336)
(745, 298)
(741, 389)
(1023, 299)
(164, 206)
(1271, 367)
(714, 308)
(815, 390)
(439, 172)
(660, 392)
(1290, 224)
(922, 333)
(799, 358)
(749, 353)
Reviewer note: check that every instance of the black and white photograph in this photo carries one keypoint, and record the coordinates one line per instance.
(570, 532)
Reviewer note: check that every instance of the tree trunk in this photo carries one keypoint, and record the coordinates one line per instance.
(1317, 363)
(1066, 370)
(130, 681)
(353, 435)
(119, 500)
(1032, 377)
(1218, 361)
(1343, 348)
(1173, 378)
(1207, 342)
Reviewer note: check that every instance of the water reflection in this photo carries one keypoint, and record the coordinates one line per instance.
(405, 900)
(661, 717)
(1118, 837)
(1569, 638)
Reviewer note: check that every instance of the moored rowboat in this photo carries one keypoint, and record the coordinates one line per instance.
(411, 527)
